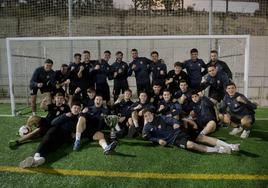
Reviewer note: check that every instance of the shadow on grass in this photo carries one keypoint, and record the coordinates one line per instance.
(259, 134)
(248, 154)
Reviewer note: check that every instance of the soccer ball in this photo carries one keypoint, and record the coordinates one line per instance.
(24, 130)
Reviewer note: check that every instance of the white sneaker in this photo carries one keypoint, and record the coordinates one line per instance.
(222, 149)
(28, 162)
(235, 147)
(38, 161)
(236, 131)
(245, 134)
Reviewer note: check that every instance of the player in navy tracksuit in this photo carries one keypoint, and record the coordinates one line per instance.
(87, 79)
(217, 81)
(141, 68)
(167, 107)
(220, 65)
(136, 121)
(174, 77)
(61, 80)
(42, 79)
(91, 123)
(184, 97)
(88, 101)
(75, 81)
(236, 110)
(156, 94)
(166, 131)
(194, 67)
(158, 69)
(60, 133)
(121, 108)
(102, 72)
(204, 114)
(120, 73)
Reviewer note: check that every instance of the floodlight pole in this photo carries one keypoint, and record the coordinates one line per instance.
(10, 78)
(210, 20)
(70, 17)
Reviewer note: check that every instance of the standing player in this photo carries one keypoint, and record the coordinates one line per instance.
(42, 79)
(120, 74)
(166, 131)
(141, 67)
(217, 81)
(102, 71)
(158, 69)
(220, 65)
(237, 111)
(194, 67)
(75, 85)
(61, 79)
(174, 77)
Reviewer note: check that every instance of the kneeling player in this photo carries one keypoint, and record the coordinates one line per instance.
(240, 113)
(91, 124)
(166, 131)
(203, 110)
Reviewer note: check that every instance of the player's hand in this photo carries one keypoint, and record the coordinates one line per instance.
(115, 74)
(69, 114)
(97, 67)
(176, 126)
(120, 71)
(67, 82)
(81, 68)
(161, 107)
(183, 97)
(201, 94)
(170, 80)
(162, 142)
(162, 72)
(133, 66)
(140, 113)
(85, 110)
(138, 107)
(39, 85)
(121, 119)
(240, 99)
(77, 90)
(213, 100)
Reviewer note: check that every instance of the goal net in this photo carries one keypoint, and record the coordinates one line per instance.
(24, 55)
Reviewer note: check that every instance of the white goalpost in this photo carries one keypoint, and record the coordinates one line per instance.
(234, 48)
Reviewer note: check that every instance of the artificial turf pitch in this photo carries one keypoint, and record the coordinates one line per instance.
(137, 163)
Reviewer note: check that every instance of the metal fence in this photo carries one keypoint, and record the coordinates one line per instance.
(132, 17)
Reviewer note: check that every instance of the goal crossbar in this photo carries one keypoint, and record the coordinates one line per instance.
(99, 38)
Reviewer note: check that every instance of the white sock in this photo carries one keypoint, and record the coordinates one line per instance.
(202, 133)
(103, 143)
(77, 136)
(222, 143)
(117, 127)
(212, 150)
(33, 113)
(37, 156)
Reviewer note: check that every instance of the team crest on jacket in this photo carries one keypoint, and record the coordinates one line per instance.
(218, 81)
(158, 68)
(47, 76)
(159, 126)
(141, 62)
(199, 64)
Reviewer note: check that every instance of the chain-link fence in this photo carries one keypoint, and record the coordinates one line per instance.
(132, 17)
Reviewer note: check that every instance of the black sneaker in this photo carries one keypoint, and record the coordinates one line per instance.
(132, 131)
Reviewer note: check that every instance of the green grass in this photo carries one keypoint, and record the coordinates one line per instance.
(137, 156)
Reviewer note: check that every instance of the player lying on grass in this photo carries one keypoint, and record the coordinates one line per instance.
(166, 131)
(90, 125)
(42, 124)
(237, 111)
(60, 133)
